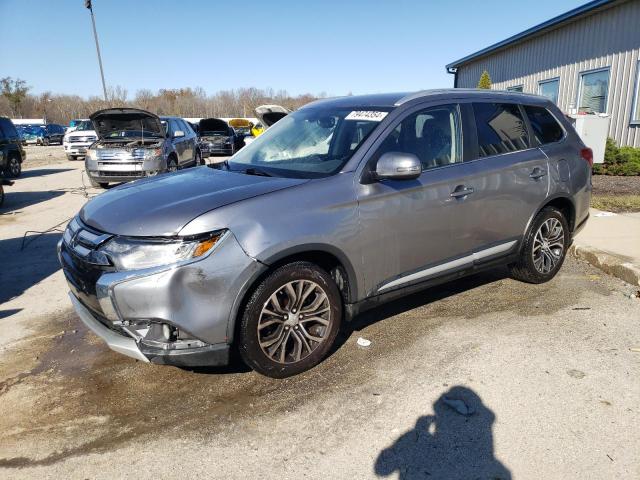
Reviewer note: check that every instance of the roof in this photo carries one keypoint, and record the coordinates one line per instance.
(392, 100)
(373, 100)
(549, 24)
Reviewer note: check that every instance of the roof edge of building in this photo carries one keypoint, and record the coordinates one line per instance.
(549, 24)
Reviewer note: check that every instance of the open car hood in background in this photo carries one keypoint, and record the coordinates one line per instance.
(270, 114)
(213, 125)
(119, 119)
(240, 123)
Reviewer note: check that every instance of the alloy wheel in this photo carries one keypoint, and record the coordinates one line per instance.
(548, 246)
(14, 167)
(294, 321)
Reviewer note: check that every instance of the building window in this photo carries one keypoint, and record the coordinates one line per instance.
(594, 91)
(550, 89)
(635, 114)
(515, 88)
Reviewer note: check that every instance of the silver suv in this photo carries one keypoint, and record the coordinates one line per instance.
(135, 143)
(340, 206)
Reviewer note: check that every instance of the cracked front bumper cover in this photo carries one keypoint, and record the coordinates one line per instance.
(210, 355)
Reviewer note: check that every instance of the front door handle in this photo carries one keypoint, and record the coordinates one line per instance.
(537, 173)
(462, 191)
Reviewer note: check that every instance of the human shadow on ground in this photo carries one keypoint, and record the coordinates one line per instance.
(454, 443)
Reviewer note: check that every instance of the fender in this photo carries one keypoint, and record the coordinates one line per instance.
(320, 247)
(546, 201)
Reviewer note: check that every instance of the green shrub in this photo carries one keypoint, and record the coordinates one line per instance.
(619, 160)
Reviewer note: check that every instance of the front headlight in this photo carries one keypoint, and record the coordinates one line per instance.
(152, 152)
(92, 154)
(130, 254)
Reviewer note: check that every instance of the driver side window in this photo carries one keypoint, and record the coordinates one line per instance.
(433, 135)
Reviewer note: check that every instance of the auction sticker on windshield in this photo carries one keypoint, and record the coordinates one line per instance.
(369, 115)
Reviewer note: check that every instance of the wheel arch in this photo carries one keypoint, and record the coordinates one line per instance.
(325, 256)
(562, 202)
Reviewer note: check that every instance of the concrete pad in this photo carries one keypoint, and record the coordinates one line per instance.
(611, 243)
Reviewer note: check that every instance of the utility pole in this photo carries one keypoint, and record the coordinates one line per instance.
(87, 3)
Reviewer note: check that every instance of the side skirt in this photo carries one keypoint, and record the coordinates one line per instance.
(351, 310)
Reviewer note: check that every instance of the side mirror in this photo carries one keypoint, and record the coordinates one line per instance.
(398, 166)
(178, 134)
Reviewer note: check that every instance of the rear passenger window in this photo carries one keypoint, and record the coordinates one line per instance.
(501, 128)
(545, 127)
(433, 135)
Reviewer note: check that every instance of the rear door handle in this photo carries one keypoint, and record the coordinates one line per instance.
(462, 191)
(537, 173)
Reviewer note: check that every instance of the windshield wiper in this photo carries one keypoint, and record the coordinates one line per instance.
(255, 171)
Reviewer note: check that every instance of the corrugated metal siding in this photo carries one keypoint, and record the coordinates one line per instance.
(610, 38)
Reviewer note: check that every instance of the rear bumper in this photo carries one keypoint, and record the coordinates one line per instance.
(212, 355)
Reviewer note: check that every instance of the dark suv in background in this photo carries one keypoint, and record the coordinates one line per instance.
(11, 152)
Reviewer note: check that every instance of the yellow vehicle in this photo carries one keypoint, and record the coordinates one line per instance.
(242, 126)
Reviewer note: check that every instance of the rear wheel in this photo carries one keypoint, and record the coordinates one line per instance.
(544, 249)
(291, 321)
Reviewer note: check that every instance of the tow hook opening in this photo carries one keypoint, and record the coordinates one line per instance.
(162, 335)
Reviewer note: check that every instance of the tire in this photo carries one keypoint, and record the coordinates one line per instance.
(71, 158)
(14, 167)
(285, 327)
(544, 248)
(45, 142)
(172, 164)
(1, 195)
(198, 159)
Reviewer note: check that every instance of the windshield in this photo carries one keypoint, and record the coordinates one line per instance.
(310, 143)
(83, 125)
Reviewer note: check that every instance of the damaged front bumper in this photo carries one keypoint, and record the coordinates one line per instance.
(179, 315)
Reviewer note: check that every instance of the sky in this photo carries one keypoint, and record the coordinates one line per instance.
(334, 47)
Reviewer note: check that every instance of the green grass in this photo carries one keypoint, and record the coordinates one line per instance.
(616, 203)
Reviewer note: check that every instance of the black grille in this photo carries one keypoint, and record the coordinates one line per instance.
(78, 242)
(120, 174)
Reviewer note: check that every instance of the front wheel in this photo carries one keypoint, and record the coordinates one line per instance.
(544, 249)
(291, 321)
(14, 168)
(45, 142)
(172, 164)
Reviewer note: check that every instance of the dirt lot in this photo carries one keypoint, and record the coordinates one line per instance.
(43, 156)
(616, 194)
(483, 378)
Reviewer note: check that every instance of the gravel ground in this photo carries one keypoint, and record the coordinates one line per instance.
(611, 185)
(483, 378)
(44, 156)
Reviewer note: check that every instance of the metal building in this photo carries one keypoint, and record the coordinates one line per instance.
(586, 60)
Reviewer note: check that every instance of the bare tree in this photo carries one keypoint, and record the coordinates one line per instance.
(15, 91)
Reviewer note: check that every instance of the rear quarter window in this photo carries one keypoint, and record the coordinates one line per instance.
(544, 126)
(501, 128)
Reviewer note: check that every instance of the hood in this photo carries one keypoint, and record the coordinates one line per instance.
(163, 205)
(240, 123)
(81, 133)
(270, 114)
(128, 119)
(209, 125)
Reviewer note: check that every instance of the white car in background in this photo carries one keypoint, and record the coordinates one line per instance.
(77, 141)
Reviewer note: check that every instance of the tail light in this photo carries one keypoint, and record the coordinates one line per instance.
(587, 154)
